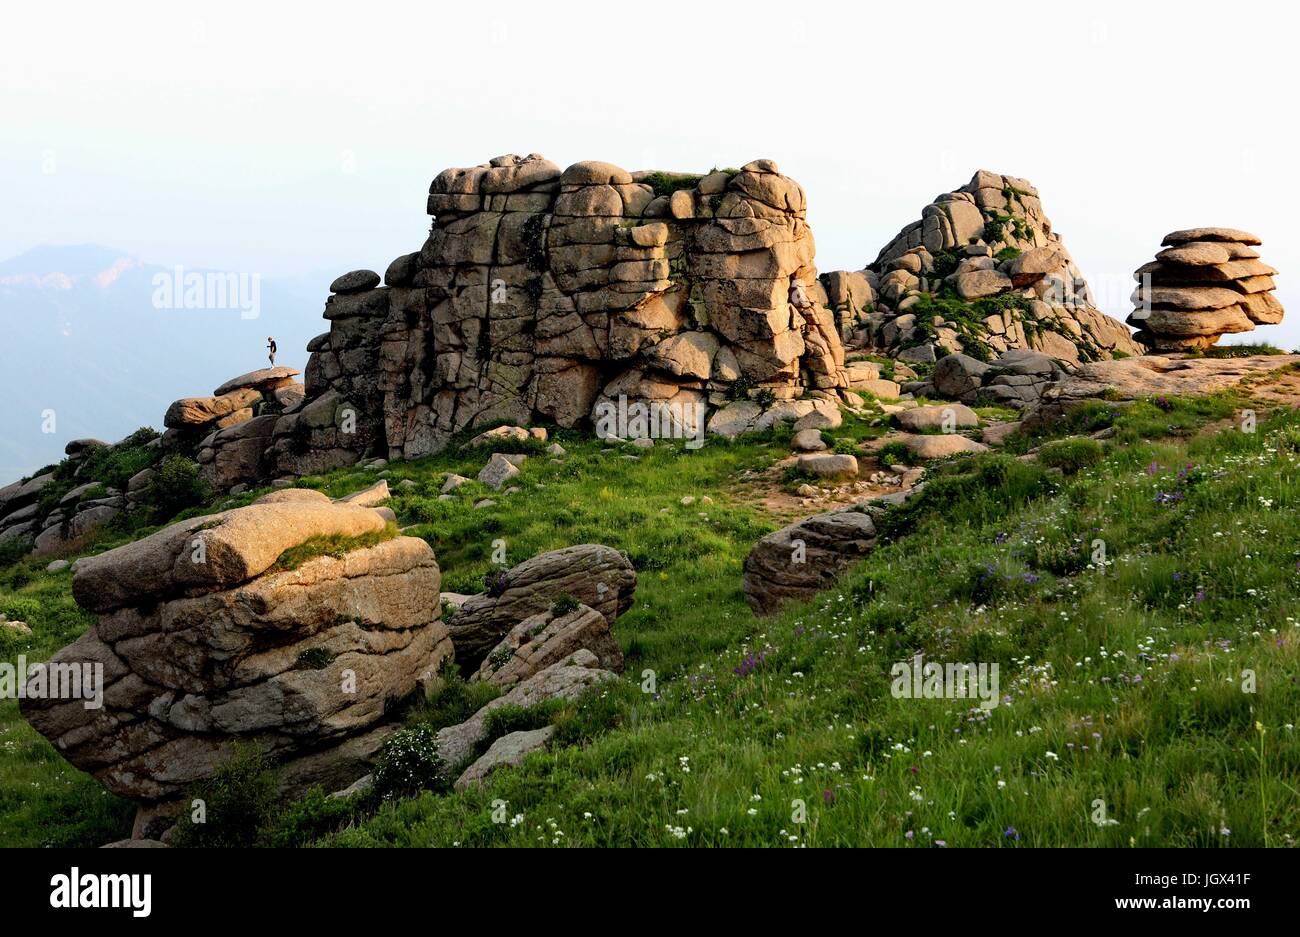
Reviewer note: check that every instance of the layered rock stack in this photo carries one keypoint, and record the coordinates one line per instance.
(542, 292)
(1206, 283)
(988, 240)
(205, 643)
(238, 400)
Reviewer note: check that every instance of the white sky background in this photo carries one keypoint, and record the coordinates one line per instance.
(299, 138)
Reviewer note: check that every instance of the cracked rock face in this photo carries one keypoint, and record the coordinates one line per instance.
(988, 239)
(1205, 283)
(302, 663)
(542, 292)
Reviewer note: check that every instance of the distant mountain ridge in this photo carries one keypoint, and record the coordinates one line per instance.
(83, 341)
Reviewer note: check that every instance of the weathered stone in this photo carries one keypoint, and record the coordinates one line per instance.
(544, 639)
(508, 751)
(593, 575)
(829, 465)
(231, 547)
(947, 417)
(942, 446)
(255, 660)
(498, 471)
(795, 562)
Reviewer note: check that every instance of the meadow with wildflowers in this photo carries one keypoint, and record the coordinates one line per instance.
(1140, 601)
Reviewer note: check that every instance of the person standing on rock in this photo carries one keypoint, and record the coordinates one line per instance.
(270, 345)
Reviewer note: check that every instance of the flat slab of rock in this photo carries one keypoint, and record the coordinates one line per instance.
(1150, 375)
(262, 379)
(509, 751)
(211, 552)
(1211, 234)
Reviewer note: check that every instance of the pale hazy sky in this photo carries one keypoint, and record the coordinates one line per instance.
(296, 138)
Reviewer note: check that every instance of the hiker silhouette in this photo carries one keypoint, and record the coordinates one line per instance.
(270, 344)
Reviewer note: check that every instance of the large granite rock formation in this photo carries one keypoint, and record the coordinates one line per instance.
(205, 644)
(1206, 283)
(541, 292)
(989, 248)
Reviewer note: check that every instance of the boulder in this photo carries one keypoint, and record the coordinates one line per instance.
(305, 664)
(947, 417)
(958, 376)
(355, 282)
(507, 751)
(544, 639)
(828, 465)
(942, 446)
(370, 497)
(200, 411)
(593, 575)
(498, 471)
(808, 440)
(796, 562)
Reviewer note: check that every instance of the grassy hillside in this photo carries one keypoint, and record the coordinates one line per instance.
(1121, 680)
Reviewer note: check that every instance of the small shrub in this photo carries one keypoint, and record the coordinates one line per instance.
(663, 183)
(308, 819)
(1071, 455)
(894, 453)
(176, 486)
(454, 701)
(408, 763)
(315, 658)
(238, 800)
(496, 582)
(506, 719)
(564, 605)
(14, 549)
(845, 446)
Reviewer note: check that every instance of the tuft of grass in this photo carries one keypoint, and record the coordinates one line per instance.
(333, 545)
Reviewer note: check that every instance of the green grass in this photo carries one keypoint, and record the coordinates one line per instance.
(1244, 350)
(1121, 664)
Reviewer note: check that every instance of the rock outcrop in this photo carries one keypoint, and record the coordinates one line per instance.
(206, 643)
(798, 561)
(565, 680)
(542, 292)
(595, 576)
(990, 252)
(1206, 283)
(1130, 379)
(548, 638)
(1015, 378)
